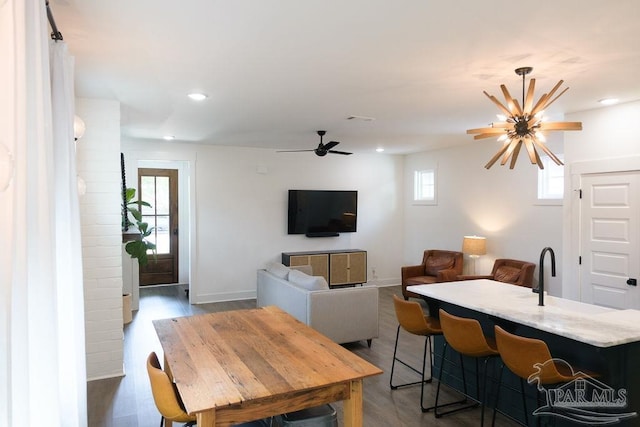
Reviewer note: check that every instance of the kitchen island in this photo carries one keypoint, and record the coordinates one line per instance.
(600, 339)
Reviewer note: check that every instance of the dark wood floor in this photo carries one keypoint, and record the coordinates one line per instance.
(127, 401)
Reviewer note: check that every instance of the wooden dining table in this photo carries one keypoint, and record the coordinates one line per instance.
(236, 366)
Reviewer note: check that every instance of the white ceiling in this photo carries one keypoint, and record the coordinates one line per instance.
(278, 70)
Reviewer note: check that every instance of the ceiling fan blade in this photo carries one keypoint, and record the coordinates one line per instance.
(339, 152)
(330, 145)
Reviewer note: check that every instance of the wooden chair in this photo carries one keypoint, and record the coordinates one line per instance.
(412, 319)
(436, 266)
(465, 336)
(165, 395)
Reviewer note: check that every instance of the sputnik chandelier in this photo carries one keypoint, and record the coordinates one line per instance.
(523, 125)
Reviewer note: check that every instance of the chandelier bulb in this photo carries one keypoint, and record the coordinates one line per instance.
(540, 137)
(501, 117)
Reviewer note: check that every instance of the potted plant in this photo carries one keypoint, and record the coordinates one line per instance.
(137, 245)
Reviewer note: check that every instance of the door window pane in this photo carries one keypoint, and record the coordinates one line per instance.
(162, 195)
(148, 193)
(162, 235)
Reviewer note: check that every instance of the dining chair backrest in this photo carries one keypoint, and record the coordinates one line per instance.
(164, 393)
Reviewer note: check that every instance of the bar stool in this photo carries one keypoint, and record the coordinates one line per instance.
(412, 319)
(530, 359)
(465, 336)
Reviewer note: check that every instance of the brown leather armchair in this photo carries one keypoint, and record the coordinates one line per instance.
(436, 266)
(512, 271)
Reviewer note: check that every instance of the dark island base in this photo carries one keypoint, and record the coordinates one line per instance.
(618, 370)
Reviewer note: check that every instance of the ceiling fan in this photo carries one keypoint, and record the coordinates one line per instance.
(322, 149)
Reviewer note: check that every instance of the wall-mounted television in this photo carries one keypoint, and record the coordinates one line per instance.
(319, 213)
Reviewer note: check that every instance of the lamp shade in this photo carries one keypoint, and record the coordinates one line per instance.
(474, 245)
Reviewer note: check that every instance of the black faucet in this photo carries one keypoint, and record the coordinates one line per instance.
(540, 289)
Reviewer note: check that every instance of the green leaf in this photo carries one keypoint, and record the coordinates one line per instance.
(136, 214)
(129, 194)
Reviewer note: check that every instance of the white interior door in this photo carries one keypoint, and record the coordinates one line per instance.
(610, 239)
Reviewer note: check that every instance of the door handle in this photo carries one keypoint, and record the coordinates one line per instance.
(175, 231)
(632, 282)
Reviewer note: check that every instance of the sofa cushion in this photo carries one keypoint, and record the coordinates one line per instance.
(436, 263)
(279, 270)
(311, 283)
(507, 274)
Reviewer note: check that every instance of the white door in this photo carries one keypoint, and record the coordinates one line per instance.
(610, 239)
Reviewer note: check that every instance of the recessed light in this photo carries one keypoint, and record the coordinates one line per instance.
(197, 96)
(608, 101)
(168, 137)
(379, 150)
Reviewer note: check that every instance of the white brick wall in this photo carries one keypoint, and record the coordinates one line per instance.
(99, 165)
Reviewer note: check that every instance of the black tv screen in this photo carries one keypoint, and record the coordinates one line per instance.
(322, 212)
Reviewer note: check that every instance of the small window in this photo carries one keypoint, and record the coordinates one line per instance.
(424, 187)
(551, 181)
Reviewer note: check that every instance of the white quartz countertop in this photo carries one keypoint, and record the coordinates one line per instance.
(587, 323)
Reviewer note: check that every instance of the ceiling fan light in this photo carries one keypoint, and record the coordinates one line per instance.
(540, 137)
(501, 117)
(503, 137)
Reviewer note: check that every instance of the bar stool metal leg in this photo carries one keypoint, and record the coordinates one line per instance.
(423, 380)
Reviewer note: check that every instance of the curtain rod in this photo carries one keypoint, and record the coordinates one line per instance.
(55, 34)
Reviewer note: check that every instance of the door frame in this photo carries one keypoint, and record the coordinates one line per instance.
(571, 229)
(186, 166)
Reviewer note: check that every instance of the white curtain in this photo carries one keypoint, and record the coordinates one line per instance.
(42, 352)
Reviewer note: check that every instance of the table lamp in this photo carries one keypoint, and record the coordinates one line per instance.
(474, 246)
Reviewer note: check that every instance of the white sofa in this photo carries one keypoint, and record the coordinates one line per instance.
(342, 314)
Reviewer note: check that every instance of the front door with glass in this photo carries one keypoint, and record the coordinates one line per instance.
(159, 187)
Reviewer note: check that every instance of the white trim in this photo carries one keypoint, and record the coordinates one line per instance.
(186, 165)
(571, 281)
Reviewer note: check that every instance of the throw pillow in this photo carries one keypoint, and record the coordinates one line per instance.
(311, 283)
(279, 270)
(436, 263)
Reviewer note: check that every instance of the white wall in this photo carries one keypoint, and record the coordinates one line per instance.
(498, 203)
(608, 142)
(99, 165)
(240, 210)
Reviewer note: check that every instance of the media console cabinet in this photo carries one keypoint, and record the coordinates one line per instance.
(339, 267)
